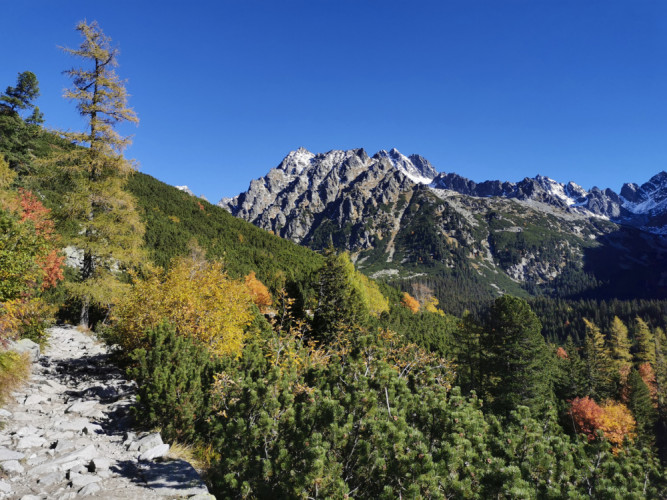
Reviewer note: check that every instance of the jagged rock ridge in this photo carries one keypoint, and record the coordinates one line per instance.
(327, 175)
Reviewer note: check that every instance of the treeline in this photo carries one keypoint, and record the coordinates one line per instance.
(562, 319)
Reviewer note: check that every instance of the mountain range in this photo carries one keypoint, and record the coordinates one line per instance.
(402, 220)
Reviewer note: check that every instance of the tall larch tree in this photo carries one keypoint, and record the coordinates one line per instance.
(598, 362)
(110, 232)
(620, 344)
(645, 342)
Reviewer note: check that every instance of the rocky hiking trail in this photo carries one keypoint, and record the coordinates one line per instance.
(69, 435)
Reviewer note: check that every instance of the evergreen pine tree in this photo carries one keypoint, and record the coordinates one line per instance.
(18, 98)
(641, 405)
(340, 304)
(516, 361)
(571, 374)
(467, 342)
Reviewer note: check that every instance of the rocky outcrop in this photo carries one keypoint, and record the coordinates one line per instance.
(305, 190)
(68, 434)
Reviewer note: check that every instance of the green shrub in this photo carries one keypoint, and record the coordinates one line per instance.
(173, 376)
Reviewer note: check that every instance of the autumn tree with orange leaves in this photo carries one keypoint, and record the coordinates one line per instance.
(259, 292)
(410, 302)
(612, 418)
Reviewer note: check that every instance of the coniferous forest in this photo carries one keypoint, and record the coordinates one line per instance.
(290, 373)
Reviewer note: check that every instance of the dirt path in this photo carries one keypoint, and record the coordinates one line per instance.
(68, 434)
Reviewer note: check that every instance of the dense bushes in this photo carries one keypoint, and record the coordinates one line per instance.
(370, 416)
(173, 376)
(29, 261)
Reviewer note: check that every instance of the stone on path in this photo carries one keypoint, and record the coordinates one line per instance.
(146, 443)
(7, 454)
(34, 399)
(26, 346)
(82, 407)
(99, 463)
(11, 466)
(30, 442)
(90, 489)
(156, 452)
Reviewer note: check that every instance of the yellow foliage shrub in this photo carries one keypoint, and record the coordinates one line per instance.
(197, 297)
(371, 295)
(27, 317)
(431, 305)
(617, 423)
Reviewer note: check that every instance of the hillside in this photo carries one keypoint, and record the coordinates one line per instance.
(173, 218)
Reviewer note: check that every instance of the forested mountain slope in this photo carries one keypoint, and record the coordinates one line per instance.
(173, 219)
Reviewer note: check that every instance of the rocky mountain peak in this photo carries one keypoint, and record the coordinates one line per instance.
(415, 167)
(650, 198)
(296, 161)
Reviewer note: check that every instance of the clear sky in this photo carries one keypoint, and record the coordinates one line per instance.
(502, 89)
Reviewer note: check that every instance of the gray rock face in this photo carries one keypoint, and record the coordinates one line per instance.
(306, 189)
(67, 437)
(397, 217)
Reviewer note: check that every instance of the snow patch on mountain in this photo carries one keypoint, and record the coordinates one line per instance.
(570, 194)
(419, 172)
(297, 161)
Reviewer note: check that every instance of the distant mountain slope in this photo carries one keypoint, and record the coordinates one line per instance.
(405, 222)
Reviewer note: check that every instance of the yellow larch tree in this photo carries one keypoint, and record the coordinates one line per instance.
(109, 234)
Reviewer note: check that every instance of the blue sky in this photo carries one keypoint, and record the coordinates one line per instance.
(503, 89)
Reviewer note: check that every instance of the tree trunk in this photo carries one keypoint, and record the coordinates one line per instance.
(84, 319)
(86, 272)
